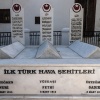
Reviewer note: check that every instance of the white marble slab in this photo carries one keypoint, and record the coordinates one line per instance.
(85, 50)
(64, 80)
(47, 51)
(11, 51)
(67, 86)
(67, 53)
(46, 23)
(76, 22)
(28, 53)
(17, 23)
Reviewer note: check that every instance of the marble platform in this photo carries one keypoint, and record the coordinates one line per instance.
(68, 86)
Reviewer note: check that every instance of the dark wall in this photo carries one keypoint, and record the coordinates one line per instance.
(89, 13)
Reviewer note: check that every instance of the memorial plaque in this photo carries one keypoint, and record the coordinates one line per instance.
(17, 23)
(46, 23)
(55, 80)
(76, 22)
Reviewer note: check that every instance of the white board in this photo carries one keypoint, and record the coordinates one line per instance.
(46, 23)
(17, 23)
(76, 22)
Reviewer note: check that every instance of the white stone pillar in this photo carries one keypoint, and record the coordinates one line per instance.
(65, 36)
(27, 37)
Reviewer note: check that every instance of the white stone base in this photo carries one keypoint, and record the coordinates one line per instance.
(68, 86)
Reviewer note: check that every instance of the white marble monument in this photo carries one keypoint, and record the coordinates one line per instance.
(17, 23)
(11, 51)
(47, 51)
(76, 22)
(46, 23)
(85, 50)
(49, 71)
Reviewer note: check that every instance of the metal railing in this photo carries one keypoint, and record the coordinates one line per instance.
(92, 37)
(57, 37)
(5, 38)
(35, 37)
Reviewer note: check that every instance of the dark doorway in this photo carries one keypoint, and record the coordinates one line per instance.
(89, 15)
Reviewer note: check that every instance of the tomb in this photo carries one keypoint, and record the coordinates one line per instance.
(48, 70)
(85, 50)
(11, 51)
(47, 51)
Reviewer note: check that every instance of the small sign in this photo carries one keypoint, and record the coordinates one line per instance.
(17, 23)
(76, 22)
(46, 23)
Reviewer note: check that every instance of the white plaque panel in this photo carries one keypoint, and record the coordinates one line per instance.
(76, 22)
(17, 23)
(46, 23)
(74, 80)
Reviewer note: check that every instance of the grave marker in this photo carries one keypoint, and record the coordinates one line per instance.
(47, 51)
(46, 23)
(11, 51)
(76, 22)
(17, 23)
(85, 50)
